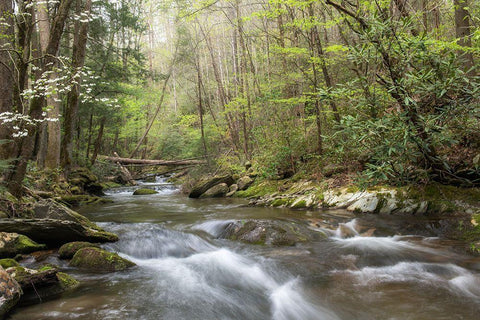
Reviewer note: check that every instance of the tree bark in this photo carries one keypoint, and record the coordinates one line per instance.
(26, 145)
(98, 141)
(463, 32)
(71, 109)
(6, 73)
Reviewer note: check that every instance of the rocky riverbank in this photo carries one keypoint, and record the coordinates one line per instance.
(456, 210)
(36, 226)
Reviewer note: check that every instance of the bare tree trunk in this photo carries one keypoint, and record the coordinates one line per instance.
(321, 54)
(98, 141)
(6, 73)
(463, 32)
(159, 106)
(71, 109)
(26, 145)
(200, 103)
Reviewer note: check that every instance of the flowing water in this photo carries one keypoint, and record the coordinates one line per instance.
(185, 272)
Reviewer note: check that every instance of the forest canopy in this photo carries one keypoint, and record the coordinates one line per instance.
(388, 89)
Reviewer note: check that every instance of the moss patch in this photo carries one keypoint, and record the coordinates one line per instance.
(259, 189)
(8, 263)
(67, 282)
(302, 204)
(68, 250)
(144, 191)
(82, 200)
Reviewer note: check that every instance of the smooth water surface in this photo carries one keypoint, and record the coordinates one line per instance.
(185, 272)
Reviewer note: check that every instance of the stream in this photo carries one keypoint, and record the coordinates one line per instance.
(185, 272)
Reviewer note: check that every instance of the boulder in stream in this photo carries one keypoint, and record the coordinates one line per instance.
(144, 191)
(68, 250)
(12, 244)
(96, 259)
(277, 233)
(203, 185)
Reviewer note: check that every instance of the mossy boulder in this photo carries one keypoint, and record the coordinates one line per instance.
(67, 282)
(276, 233)
(203, 185)
(42, 283)
(86, 181)
(244, 182)
(217, 191)
(144, 191)
(12, 244)
(96, 259)
(68, 250)
(8, 263)
(10, 292)
(55, 233)
(55, 224)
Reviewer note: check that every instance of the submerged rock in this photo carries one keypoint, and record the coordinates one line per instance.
(12, 244)
(144, 191)
(277, 233)
(68, 250)
(10, 292)
(217, 191)
(96, 259)
(203, 185)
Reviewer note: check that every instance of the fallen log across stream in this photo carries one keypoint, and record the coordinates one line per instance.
(127, 161)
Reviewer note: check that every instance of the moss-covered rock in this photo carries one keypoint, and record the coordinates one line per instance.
(144, 191)
(203, 185)
(68, 250)
(86, 180)
(56, 224)
(67, 282)
(96, 259)
(12, 244)
(244, 182)
(57, 232)
(217, 191)
(259, 189)
(232, 189)
(8, 263)
(277, 233)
